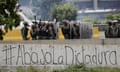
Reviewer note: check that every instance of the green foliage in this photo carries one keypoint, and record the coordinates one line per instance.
(113, 16)
(8, 14)
(87, 20)
(109, 16)
(92, 21)
(65, 11)
(20, 69)
(96, 22)
(73, 68)
(30, 69)
(82, 68)
(105, 22)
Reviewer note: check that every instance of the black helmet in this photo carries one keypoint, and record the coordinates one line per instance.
(109, 23)
(25, 24)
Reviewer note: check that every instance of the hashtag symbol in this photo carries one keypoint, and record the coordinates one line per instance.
(8, 54)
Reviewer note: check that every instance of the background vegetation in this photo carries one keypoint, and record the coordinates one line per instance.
(65, 11)
(74, 68)
(8, 13)
(113, 17)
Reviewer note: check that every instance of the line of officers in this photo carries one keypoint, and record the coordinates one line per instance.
(49, 30)
(113, 29)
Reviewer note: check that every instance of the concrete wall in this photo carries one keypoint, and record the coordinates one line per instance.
(57, 53)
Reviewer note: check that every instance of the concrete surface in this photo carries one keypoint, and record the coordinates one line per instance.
(62, 53)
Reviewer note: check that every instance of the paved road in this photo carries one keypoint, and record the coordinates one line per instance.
(102, 35)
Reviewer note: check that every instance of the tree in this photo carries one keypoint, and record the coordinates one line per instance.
(91, 21)
(87, 20)
(109, 16)
(65, 11)
(43, 7)
(113, 16)
(8, 13)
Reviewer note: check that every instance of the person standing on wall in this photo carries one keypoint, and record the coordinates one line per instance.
(107, 31)
(66, 29)
(33, 32)
(24, 31)
(1, 34)
(75, 31)
(113, 30)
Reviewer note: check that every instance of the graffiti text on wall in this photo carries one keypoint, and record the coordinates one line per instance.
(56, 55)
